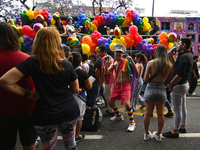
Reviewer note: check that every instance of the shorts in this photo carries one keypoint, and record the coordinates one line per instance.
(82, 106)
(155, 91)
(8, 130)
(121, 91)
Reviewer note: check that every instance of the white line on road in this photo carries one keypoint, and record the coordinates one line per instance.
(188, 135)
(87, 137)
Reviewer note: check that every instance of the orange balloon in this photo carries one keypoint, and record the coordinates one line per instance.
(95, 22)
(87, 40)
(163, 35)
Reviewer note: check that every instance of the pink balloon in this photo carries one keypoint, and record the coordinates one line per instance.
(133, 30)
(27, 30)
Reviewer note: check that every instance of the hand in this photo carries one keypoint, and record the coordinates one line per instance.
(170, 54)
(115, 64)
(101, 86)
(79, 30)
(34, 96)
(170, 87)
(129, 58)
(195, 76)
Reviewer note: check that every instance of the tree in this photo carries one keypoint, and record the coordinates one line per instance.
(64, 7)
(12, 8)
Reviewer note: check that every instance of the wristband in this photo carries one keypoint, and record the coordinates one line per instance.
(27, 93)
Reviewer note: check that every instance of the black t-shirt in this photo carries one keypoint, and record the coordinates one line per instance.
(97, 65)
(82, 76)
(153, 31)
(56, 103)
(183, 66)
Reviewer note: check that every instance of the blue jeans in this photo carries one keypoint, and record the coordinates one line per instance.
(93, 95)
(167, 104)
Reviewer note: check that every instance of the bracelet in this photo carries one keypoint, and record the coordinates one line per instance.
(27, 93)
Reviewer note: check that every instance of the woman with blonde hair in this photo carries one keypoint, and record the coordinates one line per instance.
(55, 106)
(159, 71)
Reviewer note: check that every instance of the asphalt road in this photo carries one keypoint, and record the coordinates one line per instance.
(113, 135)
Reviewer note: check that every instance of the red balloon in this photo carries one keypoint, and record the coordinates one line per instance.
(133, 30)
(27, 30)
(139, 38)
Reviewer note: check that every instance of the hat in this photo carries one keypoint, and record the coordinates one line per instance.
(119, 47)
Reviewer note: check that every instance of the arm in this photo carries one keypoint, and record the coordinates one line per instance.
(171, 58)
(108, 70)
(8, 82)
(75, 31)
(88, 84)
(174, 81)
(74, 86)
(102, 79)
(169, 78)
(147, 72)
(133, 63)
(194, 74)
(97, 73)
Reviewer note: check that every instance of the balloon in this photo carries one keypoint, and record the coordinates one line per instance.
(52, 21)
(27, 30)
(171, 45)
(56, 15)
(145, 20)
(40, 18)
(117, 32)
(86, 40)
(85, 48)
(171, 37)
(99, 42)
(163, 35)
(133, 30)
(37, 26)
(144, 46)
(111, 46)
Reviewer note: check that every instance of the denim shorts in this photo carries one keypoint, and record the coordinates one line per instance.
(155, 91)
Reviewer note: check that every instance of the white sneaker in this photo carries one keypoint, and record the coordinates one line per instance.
(147, 136)
(131, 127)
(193, 94)
(157, 137)
(115, 118)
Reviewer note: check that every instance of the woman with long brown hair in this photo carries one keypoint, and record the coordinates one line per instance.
(156, 89)
(55, 106)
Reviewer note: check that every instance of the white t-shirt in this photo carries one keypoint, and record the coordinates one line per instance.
(71, 28)
(86, 67)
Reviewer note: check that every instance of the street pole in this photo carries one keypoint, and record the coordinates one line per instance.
(153, 9)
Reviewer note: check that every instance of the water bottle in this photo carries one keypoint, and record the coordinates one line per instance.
(172, 50)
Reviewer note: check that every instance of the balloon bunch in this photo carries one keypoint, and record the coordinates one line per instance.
(146, 26)
(28, 42)
(167, 39)
(17, 30)
(12, 22)
(72, 41)
(107, 17)
(120, 20)
(144, 46)
(55, 17)
(128, 19)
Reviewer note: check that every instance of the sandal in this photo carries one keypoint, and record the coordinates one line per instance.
(80, 138)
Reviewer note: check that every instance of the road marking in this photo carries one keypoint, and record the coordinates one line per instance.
(187, 135)
(87, 137)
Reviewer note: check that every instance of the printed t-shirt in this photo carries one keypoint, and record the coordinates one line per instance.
(71, 28)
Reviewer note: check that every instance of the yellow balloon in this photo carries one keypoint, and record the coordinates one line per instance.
(111, 46)
(145, 20)
(171, 45)
(20, 39)
(121, 40)
(85, 48)
(52, 21)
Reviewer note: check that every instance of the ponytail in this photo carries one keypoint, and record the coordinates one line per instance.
(142, 57)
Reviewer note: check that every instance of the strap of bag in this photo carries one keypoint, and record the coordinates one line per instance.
(153, 77)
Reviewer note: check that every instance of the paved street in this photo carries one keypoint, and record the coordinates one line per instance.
(113, 135)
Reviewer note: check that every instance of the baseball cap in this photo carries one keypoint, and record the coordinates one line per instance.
(119, 47)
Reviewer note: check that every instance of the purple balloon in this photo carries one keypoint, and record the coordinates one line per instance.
(144, 42)
(149, 46)
(99, 42)
(144, 46)
(28, 43)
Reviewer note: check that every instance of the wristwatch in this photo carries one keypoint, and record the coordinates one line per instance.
(27, 93)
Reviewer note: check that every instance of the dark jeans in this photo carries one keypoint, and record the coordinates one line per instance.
(93, 93)
(193, 85)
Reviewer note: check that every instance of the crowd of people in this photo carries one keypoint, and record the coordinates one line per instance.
(49, 90)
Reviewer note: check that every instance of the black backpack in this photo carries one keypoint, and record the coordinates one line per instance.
(91, 119)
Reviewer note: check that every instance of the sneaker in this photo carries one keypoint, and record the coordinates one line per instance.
(147, 136)
(80, 138)
(193, 94)
(142, 106)
(157, 137)
(36, 144)
(115, 118)
(169, 114)
(131, 127)
(100, 102)
(170, 135)
(182, 130)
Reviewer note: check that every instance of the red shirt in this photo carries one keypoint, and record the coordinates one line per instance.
(12, 104)
(110, 78)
